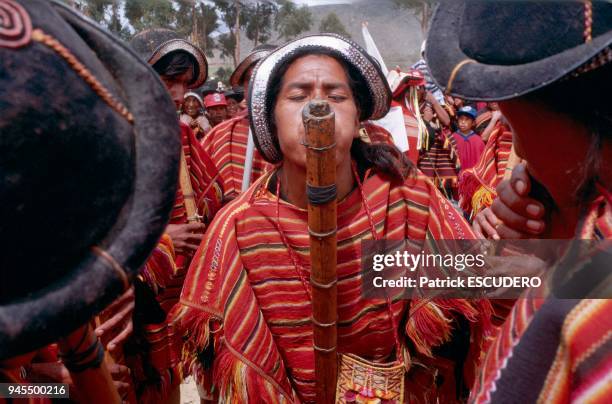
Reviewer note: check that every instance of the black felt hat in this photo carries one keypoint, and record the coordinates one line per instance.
(496, 50)
(89, 152)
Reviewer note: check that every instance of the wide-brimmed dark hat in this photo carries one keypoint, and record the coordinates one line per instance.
(154, 44)
(89, 152)
(257, 53)
(266, 73)
(496, 50)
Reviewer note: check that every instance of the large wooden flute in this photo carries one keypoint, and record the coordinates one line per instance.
(321, 188)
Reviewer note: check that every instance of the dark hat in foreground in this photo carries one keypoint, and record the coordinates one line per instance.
(266, 75)
(258, 53)
(154, 44)
(496, 50)
(88, 169)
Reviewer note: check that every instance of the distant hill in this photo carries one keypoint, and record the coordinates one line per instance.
(396, 32)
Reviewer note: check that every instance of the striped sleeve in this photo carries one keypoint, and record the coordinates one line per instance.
(160, 267)
(444, 221)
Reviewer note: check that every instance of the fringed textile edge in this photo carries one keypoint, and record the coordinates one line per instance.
(430, 325)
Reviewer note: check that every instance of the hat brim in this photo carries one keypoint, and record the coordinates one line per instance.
(472, 117)
(216, 105)
(265, 74)
(237, 76)
(478, 81)
(177, 44)
(43, 317)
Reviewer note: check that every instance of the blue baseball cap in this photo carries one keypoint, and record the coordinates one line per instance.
(468, 111)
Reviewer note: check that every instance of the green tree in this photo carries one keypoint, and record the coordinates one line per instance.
(291, 20)
(229, 43)
(223, 74)
(258, 17)
(209, 23)
(197, 21)
(107, 13)
(331, 23)
(94, 9)
(423, 10)
(147, 14)
(226, 43)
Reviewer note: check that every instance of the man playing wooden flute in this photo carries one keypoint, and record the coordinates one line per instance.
(246, 304)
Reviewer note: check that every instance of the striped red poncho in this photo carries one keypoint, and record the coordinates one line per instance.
(165, 269)
(206, 180)
(226, 144)
(165, 272)
(243, 300)
(441, 163)
(477, 184)
(554, 350)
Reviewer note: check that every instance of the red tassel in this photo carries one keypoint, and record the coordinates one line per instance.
(196, 325)
(468, 184)
(428, 327)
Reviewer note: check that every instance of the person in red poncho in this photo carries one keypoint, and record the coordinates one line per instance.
(216, 108)
(552, 80)
(227, 142)
(246, 304)
(468, 143)
(89, 172)
(157, 368)
(409, 93)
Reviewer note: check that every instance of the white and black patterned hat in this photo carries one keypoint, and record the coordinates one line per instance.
(266, 74)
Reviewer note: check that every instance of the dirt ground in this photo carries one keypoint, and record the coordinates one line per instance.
(189, 392)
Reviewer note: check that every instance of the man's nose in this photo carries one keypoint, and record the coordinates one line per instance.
(177, 91)
(318, 94)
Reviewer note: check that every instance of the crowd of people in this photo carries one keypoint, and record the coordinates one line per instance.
(174, 239)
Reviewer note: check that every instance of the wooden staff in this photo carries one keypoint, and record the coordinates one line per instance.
(188, 194)
(321, 188)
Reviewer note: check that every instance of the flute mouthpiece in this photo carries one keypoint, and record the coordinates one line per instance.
(318, 108)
